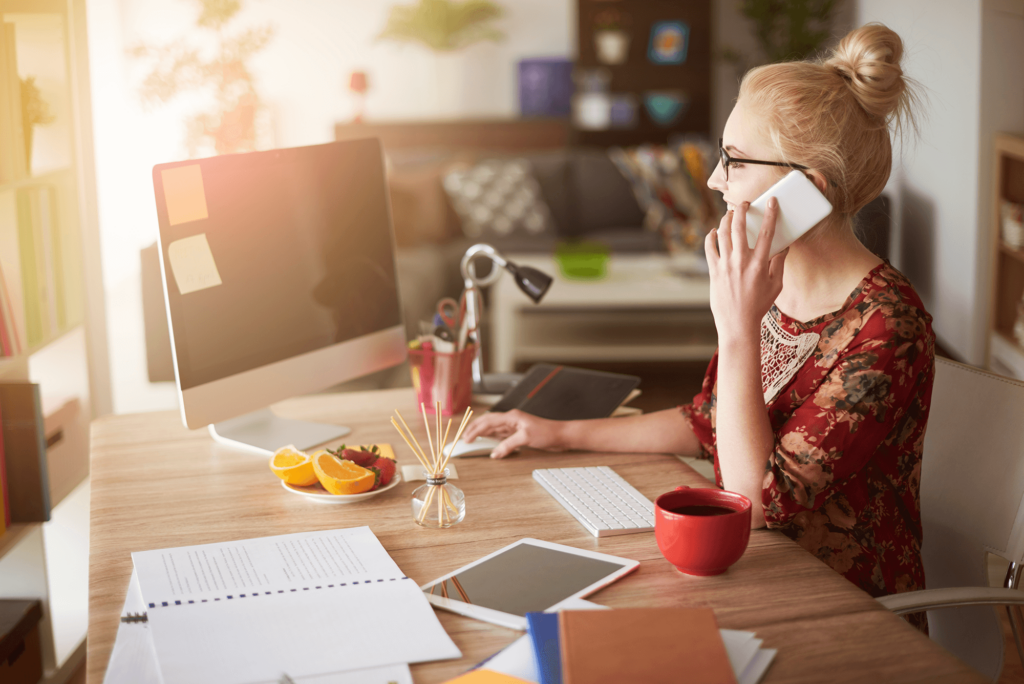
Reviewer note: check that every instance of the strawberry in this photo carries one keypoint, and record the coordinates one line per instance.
(385, 469)
(361, 457)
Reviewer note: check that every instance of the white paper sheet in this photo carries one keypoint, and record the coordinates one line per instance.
(741, 648)
(758, 666)
(307, 604)
(133, 659)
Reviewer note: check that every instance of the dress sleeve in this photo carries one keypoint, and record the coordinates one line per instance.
(698, 413)
(878, 383)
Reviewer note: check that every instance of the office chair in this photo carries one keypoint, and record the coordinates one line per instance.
(972, 491)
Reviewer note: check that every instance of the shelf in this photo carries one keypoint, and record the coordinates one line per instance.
(14, 534)
(41, 179)
(14, 369)
(1006, 351)
(1009, 145)
(1017, 254)
(21, 358)
(50, 340)
(577, 336)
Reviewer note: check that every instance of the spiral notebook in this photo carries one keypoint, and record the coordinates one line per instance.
(247, 611)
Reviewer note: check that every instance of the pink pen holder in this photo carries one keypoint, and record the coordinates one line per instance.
(445, 378)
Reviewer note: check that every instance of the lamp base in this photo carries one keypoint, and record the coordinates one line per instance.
(497, 383)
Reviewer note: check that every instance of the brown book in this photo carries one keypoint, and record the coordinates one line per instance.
(21, 420)
(650, 645)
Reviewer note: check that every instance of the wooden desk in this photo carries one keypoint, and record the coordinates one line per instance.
(156, 485)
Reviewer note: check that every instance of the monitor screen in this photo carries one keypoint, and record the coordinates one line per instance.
(271, 255)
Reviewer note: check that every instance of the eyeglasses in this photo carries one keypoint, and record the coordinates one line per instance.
(726, 160)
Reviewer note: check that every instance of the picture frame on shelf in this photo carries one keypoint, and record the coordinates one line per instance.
(669, 42)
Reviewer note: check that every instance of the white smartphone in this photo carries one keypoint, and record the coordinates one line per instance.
(801, 207)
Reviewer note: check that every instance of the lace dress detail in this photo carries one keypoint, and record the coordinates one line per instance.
(782, 355)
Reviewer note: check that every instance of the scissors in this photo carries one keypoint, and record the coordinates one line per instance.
(452, 312)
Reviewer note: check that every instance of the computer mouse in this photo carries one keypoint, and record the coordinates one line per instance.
(481, 446)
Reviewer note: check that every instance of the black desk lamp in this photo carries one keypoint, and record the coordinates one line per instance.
(531, 281)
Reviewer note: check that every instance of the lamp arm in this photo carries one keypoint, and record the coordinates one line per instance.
(474, 299)
(469, 272)
(533, 282)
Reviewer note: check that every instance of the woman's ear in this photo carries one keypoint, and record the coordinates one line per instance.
(819, 180)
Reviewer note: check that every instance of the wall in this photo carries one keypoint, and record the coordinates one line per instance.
(735, 31)
(966, 54)
(302, 76)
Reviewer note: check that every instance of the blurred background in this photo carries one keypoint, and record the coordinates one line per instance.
(529, 124)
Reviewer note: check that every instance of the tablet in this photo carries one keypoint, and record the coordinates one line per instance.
(527, 576)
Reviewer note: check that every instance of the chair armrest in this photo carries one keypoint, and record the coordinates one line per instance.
(928, 599)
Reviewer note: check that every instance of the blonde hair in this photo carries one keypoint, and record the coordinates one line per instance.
(834, 114)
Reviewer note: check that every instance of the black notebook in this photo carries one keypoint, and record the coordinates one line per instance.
(567, 393)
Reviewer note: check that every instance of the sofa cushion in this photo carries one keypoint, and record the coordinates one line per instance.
(603, 197)
(553, 173)
(419, 207)
(499, 198)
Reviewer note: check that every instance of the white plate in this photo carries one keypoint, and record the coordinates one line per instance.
(320, 495)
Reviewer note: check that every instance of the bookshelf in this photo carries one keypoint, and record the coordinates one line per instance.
(52, 323)
(1005, 351)
(637, 75)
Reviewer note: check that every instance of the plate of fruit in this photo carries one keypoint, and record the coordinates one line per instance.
(337, 476)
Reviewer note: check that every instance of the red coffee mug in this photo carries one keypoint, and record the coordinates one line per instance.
(702, 544)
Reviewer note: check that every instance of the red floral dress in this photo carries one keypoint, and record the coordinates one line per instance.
(844, 478)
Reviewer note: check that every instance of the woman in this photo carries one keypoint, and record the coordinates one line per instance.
(829, 440)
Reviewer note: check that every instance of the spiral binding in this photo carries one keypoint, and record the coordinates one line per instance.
(135, 617)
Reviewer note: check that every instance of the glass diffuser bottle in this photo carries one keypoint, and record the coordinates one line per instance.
(438, 503)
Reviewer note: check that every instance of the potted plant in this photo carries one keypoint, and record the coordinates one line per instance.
(444, 27)
(234, 117)
(785, 30)
(34, 112)
(611, 41)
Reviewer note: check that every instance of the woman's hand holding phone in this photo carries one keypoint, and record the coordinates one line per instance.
(744, 282)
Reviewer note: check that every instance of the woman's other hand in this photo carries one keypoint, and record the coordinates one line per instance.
(517, 429)
(744, 281)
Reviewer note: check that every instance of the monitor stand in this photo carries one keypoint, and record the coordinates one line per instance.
(263, 433)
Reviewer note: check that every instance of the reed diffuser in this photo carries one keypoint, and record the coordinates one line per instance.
(437, 503)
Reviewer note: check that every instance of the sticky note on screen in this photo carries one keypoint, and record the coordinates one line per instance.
(184, 195)
(192, 264)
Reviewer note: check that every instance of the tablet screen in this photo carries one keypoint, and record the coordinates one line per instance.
(524, 578)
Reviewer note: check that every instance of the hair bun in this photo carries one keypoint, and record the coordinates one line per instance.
(868, 60)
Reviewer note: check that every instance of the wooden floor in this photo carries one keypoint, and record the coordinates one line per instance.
(1013, 670)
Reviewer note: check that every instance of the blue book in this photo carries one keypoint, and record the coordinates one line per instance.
(546, 646)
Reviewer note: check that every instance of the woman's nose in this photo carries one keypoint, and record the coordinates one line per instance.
(717, 179)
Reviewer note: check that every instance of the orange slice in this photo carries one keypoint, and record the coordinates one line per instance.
(293, 466)
(341, 477)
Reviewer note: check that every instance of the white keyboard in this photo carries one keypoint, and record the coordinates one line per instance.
(600, 499)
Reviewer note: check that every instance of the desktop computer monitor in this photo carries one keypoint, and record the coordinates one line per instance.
(279, 279)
